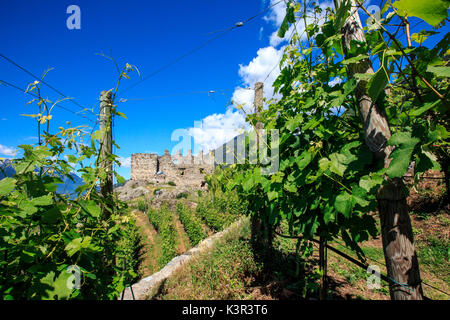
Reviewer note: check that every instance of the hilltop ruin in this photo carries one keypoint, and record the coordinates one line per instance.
(186, 170)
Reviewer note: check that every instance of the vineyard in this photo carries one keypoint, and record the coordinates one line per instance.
(357, 208)
(171, 228)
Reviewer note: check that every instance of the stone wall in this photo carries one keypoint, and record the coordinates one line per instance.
(143, 166)
(183, 170)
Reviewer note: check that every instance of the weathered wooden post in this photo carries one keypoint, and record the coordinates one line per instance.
(106, 184)
(261, 230)
(396, 230)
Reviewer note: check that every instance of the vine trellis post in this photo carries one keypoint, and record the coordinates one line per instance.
(396, 230)
(106, 184)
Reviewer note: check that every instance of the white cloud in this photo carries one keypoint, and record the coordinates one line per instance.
(335, 81)
(7, 151)
(125, 162)
(263, 68)
(218, 128)
(276, 16)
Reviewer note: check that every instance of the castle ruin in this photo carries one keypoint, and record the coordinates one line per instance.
(183, 170)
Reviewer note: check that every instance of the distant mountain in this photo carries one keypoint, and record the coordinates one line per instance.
(6, 169)
(67, 187)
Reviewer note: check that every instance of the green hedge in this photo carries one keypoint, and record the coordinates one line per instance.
(130, 254)
(154, 216)
(219, 209)
(142, 205)
(168, 233)
(191, 223)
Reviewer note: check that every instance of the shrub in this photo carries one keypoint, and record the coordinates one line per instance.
(130, 254)
(182, 195)
(219, 210)
(156, 190)
(168, 234)
(154, 216)
(142, 205)
(191, 223)
(171, 183)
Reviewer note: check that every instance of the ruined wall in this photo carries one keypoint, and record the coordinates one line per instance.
(143, 166)
(183, 170)
(166, 165)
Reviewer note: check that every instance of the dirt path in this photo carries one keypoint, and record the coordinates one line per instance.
(183, 239)
(152, 245)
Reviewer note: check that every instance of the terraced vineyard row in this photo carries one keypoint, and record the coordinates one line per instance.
(172, 230)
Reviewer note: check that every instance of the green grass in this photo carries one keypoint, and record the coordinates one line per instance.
(223, 272)
(434, 253)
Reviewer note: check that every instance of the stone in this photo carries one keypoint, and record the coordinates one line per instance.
(182, 170)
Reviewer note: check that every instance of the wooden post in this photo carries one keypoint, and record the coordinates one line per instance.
(259, 231)
(258, 106)
(106, 143)
(259, 94)
(323, 268)
(396, 230)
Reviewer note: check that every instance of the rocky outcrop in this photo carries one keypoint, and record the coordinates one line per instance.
(131, 190)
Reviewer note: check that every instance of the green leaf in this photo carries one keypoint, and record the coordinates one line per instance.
(432, 11)
(427, 106)
(43, 200)
(121, 114)
(401, 156)
(290, 187)
(288, 18)
(377, 83)
(92, 207)
(303, 160)
(77, 244)
(324, 164)
(7, 185)
(98, 134)
(293, 123)
(71, 158)
(368, 182)
(272, 195)
(344, 204)
(439, 71)
(60, 288)
(51, 216)
(328, 214)
(355, 59)
(119, 178)
(338, 163)
(363, 76)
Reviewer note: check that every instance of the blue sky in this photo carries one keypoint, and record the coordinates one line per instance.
(148, 34)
